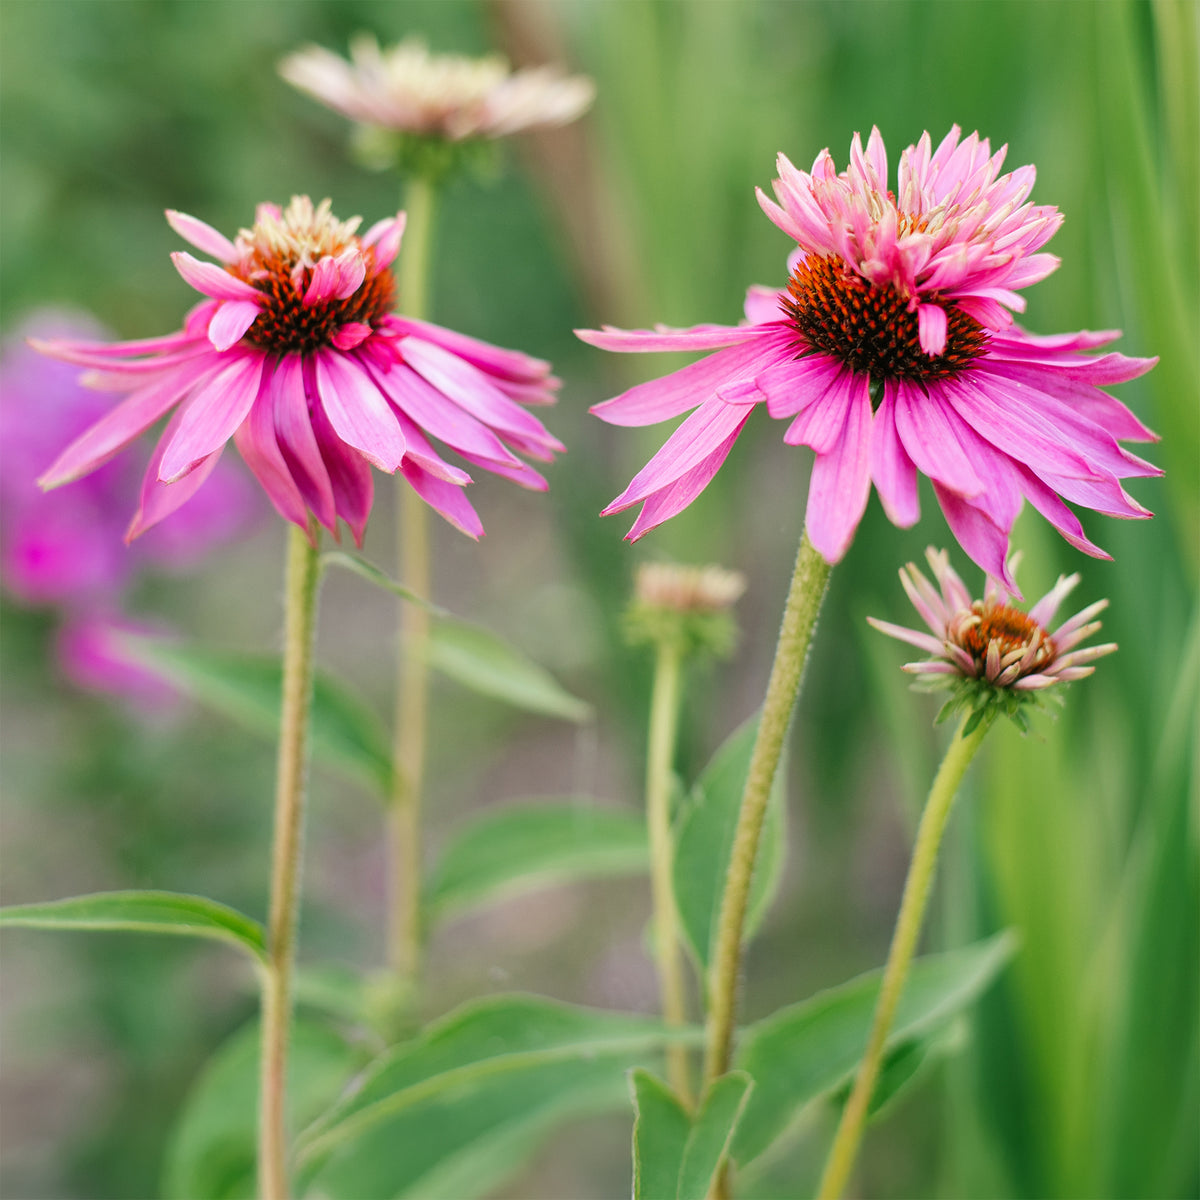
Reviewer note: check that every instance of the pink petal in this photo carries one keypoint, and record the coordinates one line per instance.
(116, 429)
(159, 499)
(893, 472)
(231, 321)
(293, 399)
(385, 237)
(675, 497)
(763, 304)
(212, 280)
(641, 341)
(447, 498)
(349, 475)
(821, 424)
(691, 444)
(1058, 514)
(352, 334)
(914, 637)
(841, 479)
(211, 415)
(202, 236)
(423, 454)
(667, 397)
(324, 281)
(794, 383)
(257, 443)
(931, 328)
(504, 364)
(927, 429)
(985, 543)
(357, 410)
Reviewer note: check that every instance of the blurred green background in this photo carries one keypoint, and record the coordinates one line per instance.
(1079, 1077)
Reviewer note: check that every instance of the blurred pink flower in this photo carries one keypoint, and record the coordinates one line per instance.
(94, 653)
(297, 355)
(65, 547)
(989, 641)
(892, 351)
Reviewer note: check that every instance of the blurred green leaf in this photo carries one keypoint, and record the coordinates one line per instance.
(486, 663)
(357, 565)
(346, 734)
(526, 846)
(212, 1151)
(676, 1156)
(812, 1048)
(704, 842)
(142, 912)
(449, 1114)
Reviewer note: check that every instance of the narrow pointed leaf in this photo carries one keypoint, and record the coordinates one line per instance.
(660, 1134)
(704, 843)
(486, 663)
(346, 734)
(813, 1048)
(712, 1131)
(360, 566)
(530, 845)
(142, 912)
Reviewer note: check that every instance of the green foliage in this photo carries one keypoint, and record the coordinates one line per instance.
(346, 734)
(529, 845)
(812, 1048)
(486, 663)
(211, 1154)
(365, 569)
(450, 1114)
(142, 912)
(676, 1156)
(704, 843)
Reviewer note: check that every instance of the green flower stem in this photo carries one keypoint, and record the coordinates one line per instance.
(300, 618)
(405, 933)
(904, 941)
(809, 582)
(664, 714)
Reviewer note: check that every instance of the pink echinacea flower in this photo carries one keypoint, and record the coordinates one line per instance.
(988, 651)
(296, 354)
(892, 352)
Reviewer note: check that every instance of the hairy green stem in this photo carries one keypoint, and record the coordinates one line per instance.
(405, 932)
(904, 941)
(300, 618)
(809, 582)
(664, 714)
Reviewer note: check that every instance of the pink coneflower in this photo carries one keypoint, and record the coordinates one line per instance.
(981, 648)
(445, 96)
(892, 351)
(297, 355)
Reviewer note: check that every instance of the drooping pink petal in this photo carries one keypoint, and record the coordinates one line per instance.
(791, 384)
(668, 397)
(212, 280)
(504, 364)
(646, 341)
(259, 447)
(841, 478)
(691, 444)
(928, 431)
(231, 321)
(423, 454)
(211, 415)
(1058, 514)
(358, 411)
(822, 421)
(447, 498)
(978, 535)
(349, 475)
(894, 473)
(293, 399)
(201, 235)
(675, 497)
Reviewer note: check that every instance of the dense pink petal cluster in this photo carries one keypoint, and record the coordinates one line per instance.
(991, 641)
(296, 354)
(892, 352)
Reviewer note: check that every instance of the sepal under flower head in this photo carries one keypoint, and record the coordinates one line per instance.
(689, 607)
(995, 658)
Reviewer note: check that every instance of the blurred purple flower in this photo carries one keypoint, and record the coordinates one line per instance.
(93, 652)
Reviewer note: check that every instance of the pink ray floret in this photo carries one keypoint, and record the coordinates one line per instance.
(297, 356)
(991, 641)
(892, 353)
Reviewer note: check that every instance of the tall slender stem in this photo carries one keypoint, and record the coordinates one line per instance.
(904, 941)
(300, 618)
(809, 582)
(404, 926)
(664, 714)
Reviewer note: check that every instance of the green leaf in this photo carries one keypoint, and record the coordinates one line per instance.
(211, 1154)
(486, 663)
(660, 1134)
(813, 1048)
(360, 566)
(142, 912)
(676, 1156)
(704, 843)
(346, 734)
(712, 1131)
(452, 1112)
(529, 845)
